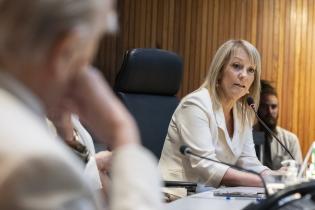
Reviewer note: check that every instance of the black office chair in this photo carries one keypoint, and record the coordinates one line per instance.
(147, 84)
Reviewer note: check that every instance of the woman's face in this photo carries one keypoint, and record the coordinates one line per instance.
(236, 77)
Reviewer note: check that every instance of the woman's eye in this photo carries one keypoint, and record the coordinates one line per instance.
(251, 70)
(236, 66)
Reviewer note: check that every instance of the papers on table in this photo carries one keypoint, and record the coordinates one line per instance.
(233, 192)
(252, 192)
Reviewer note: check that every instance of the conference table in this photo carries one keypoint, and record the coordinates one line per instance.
(208, 201)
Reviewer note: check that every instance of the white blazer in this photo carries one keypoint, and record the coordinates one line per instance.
(195, 123)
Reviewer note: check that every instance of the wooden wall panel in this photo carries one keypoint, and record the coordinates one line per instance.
(282, 30)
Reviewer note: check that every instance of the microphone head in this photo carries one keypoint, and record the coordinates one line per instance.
(250, 101)
(184, 149)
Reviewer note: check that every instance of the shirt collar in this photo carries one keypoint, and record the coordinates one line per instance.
(21, 92)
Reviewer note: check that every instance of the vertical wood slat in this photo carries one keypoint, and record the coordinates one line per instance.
(283, 32)
(292, 61)
(165, 17)
(310, 100)
(182, 37)
(203, 41)
(154, 23)
(187, 46)
(270, 39)
(171, 13)
(192, 45)
(281, 46)
(198, 27)
(286, 63)
(302, 73)
(254, 22)
(311, 89)
(142, 20)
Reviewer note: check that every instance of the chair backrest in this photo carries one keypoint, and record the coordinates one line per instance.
(147, 84)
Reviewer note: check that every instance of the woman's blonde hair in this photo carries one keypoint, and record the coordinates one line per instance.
(220, 60)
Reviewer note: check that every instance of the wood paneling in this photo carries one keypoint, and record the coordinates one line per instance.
(282, 30)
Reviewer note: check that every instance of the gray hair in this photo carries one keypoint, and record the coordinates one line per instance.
(220, 60)
(28, 28)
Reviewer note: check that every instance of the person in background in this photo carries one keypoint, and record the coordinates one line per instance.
(45, 50)
(215, 122)
(268, 111)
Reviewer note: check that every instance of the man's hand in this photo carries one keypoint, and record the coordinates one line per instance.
(61, 120)
(103, 161)
(97, 106)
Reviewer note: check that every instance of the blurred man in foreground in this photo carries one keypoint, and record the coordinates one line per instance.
(45, 49)
(268, 111)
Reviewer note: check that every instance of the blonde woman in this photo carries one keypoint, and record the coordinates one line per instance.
(216, 123)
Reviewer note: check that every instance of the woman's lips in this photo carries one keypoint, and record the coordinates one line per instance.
(239, 85)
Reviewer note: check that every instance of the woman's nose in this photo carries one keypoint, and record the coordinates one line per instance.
(243, 73)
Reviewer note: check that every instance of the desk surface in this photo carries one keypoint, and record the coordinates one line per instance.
(206, 201)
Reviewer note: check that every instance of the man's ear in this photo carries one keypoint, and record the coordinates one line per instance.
(62, 51)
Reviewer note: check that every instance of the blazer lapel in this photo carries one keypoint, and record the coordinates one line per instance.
(220, 120)
(233, 142)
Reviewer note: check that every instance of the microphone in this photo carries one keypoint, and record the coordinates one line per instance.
(186, 150)
(251, 103)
